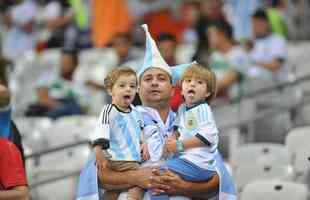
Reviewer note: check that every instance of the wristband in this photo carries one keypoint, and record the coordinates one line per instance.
(180, 146)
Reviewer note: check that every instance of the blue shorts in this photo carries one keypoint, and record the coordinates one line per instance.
(188, 171)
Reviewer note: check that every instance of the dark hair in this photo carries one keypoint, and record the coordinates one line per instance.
(275, 3)
(73, 53)
(223, 27)
(166, 36)
(260, 14)
(124, 35)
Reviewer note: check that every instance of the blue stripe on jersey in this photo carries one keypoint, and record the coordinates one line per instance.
(115, 145)
(134, 130)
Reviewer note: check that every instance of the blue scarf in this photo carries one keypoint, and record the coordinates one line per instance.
(5, 123)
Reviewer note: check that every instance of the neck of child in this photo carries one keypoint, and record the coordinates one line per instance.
(122, 108)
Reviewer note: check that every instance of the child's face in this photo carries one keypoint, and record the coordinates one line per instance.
(194, 90)
(123, 91)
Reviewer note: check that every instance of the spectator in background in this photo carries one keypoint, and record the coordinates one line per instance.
(7, 126)
(228, 60)
(57, 17)
(124, 54)
(21, 35)
(239, 14)
(106, 24)
(210, 11)
(269, 52)
(276, 18)
(13, 181)
(58, 94)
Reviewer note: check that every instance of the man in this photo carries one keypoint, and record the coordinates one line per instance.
(8, 128)
(228, 60)
(13, 183)
(58, 94)
(155, 81)
(269, 50)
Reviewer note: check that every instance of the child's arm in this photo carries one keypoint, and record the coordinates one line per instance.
(177, 146)
(144, 147)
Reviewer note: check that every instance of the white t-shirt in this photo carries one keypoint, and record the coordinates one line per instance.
(265, 50)
(236, 59)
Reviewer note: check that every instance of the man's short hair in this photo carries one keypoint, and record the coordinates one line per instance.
(223, 27)
(260, 14)
(166, 36)
(113, 75)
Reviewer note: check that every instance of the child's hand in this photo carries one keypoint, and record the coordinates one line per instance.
(171, 145)
(145, 152)
(176, 134)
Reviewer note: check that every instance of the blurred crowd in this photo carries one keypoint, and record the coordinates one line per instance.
(238, 39)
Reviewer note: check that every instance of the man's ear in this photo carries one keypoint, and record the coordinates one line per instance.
(208, 94)
(109, 91)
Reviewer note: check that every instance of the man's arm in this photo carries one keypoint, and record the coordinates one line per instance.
(44, 99)
(274, 65)
(15, 193)
(110, 179)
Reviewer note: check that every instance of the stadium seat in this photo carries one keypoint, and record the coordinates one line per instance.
(261, 153)
(246, 173)
(272, 190)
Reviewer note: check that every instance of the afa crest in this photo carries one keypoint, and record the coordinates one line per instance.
(191, 121)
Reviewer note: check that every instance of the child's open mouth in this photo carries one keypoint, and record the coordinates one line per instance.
(191, 92)
(127, 98)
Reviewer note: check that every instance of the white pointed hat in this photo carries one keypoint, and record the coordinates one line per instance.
(177, 71)
(152, 58)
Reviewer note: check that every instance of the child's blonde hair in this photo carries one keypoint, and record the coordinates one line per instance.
(114, 74)
(199, 71)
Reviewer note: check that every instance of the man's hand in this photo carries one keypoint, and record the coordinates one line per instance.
(101, 162)
(168, 183)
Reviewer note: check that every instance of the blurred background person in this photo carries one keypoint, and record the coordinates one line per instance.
(269, 53)
(58, 94)
(20, 37)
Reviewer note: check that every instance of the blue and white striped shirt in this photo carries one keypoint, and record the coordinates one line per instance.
(123, 130)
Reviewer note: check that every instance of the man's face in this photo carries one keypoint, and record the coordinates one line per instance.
(260, 27)
(167, 49)
(155, 86)
(67, 65)
(122, 46)
(215, 38)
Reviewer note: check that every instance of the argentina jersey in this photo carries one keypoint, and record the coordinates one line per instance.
(123, 130)
(198, 122)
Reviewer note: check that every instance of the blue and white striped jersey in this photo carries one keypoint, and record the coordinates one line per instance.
(198, 122)
(123, 130)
